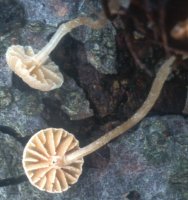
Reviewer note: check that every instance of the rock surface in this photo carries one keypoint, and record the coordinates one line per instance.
(150, 162)
(36, 33)
(22, 113)
(73, 100)
(99, 45)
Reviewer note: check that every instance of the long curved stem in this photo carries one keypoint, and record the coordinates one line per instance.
(63, 29)
(154, 93)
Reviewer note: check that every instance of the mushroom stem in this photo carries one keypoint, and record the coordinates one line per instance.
(154, 93)
(63, 29)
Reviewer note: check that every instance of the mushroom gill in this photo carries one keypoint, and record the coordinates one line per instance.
(46, 77)
(43, 160)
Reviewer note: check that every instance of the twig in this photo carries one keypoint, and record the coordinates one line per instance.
(136, 58)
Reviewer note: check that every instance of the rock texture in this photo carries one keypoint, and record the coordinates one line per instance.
(36, 33)
(100, 53)
(149, 163)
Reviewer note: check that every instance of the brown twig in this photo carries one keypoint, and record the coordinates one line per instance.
(136, 58)
(162, 26)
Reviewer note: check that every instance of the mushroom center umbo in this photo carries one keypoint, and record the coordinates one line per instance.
(56, 161)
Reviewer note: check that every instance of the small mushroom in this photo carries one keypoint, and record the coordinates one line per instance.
(36, 69)
(43, 77)
(43, 160)
(180, 30)
(49, 155)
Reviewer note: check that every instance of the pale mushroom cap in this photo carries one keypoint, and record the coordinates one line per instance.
(43, 160)
(180, 30)
(21, 60)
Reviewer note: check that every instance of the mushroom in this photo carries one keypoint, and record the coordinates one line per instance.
(43, 160)
(36, 69)
(180, 30)
(49, 155)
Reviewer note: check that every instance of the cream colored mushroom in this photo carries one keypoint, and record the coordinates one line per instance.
(180, 30)
(36, 68)
(43, 160)
(49, 153)
(22, 62)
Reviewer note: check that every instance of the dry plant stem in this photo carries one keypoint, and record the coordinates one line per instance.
(63, 29)
(154, 93)
(136, 58)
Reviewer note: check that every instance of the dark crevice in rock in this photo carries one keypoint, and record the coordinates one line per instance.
(133, 195)
(19, 84)
(12, 181)
(10, 131)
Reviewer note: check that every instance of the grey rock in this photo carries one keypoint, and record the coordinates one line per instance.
(5, 97)
(30, 103)
(35, 34)
(10, 157)
(99, 46)
(101, 50)
(132, 168)
(72, 99)
(5, 73)
(6, 41)
(25, 190)
(56, 12)
(12, 15)
(23, 114)
(152, 159)
(47, 11)
(125, 3)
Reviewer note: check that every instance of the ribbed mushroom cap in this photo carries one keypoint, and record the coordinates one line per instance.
(43, 160)
(21, 60)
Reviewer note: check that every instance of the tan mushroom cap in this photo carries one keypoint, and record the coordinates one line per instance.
(180, 30)
(45, 78)
(43, 160)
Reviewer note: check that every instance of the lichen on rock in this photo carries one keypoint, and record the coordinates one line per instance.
(100, 47)
(5, 97)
